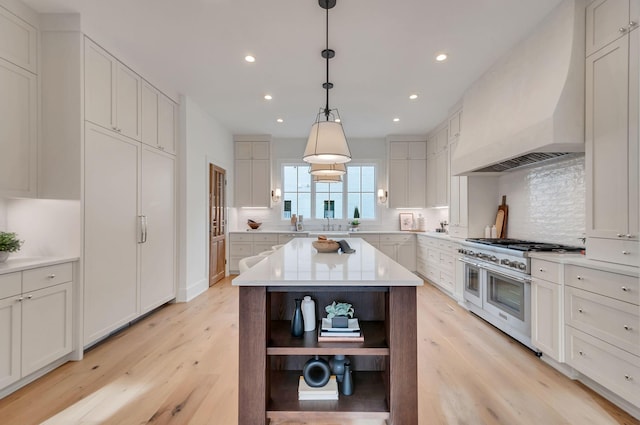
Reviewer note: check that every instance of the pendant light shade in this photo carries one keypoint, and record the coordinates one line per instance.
(327, 179)
(327, 169)
(327, 144)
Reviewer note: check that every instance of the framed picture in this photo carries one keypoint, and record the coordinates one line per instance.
(406, 221)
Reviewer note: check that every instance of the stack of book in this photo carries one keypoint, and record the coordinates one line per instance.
(352, 333)
(328, 392)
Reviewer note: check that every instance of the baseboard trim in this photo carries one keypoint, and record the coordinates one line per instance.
(192, 291)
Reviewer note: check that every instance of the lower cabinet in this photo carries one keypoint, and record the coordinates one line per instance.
(401, 248)
(436, 262)
(36, 315)
(245, 244)
(546, 308)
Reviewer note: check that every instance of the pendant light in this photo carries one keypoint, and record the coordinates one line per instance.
(327, 169)
(327, 143)
(327, 179)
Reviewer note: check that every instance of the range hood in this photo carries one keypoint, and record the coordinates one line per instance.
(529, 106)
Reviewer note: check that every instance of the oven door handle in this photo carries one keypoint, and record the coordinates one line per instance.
(524, 279)
(471, 263)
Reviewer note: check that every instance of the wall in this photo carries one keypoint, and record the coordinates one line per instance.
(547, 203)
(204, 141)
(365, 150)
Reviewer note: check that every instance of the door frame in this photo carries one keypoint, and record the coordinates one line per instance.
(211, 170)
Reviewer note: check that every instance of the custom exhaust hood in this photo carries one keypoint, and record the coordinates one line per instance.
(529, 106)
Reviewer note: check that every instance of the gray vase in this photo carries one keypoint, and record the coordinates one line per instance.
(337, 366)
(3, 256)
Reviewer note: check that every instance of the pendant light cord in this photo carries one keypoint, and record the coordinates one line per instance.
(326, 109)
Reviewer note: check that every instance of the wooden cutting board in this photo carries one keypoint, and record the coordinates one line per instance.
(501, 218)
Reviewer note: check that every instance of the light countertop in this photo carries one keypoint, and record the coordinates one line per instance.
(299, 264)
(20, 264)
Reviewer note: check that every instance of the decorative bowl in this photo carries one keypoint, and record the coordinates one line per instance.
(253, 224)
(326, 246)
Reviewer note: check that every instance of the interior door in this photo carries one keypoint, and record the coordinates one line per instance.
(217, 222)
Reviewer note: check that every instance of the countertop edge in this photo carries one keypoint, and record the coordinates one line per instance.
(13, 265)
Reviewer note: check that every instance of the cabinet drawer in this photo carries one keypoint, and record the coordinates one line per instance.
(369, 238)
(259, 247)
(240, 237)
(432, 242)
(266, 237)
(447, 281)
(614, 251)
(447, 263)
(458, 231)
(10, 284)
(613, 321)
(43, 277)
(611, 367)
(395, 238)
(614, 285)
(241, 249)
(546, 270)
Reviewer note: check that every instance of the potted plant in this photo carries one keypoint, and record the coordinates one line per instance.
(9, 242)
(339, 313)
(356, 215)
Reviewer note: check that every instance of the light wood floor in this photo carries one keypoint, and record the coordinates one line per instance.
(179, 366)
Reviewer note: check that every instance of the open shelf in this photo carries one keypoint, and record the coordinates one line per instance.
(368, 400)
(282, 343)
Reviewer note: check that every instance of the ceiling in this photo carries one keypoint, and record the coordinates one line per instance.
(384, 52)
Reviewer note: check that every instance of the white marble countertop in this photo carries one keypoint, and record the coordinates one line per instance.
(439, 235)
(299, 264)
(19, 264)
(352, 233)
(581, 260)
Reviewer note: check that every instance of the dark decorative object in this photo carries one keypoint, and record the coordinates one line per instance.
(339, 313)
(347, 380)
(316, 372)
(337, 366)
(297, 323)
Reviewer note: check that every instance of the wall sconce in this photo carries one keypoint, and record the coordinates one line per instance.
(382, 196)
(276, 195)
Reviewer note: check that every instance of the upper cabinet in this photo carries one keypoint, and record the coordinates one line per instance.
(159, 118)
(455, 124)
(112, 92)
(18, 106)
(407, 174)
(438, 169)
(611, 154)
(252, 173)
(608, 20)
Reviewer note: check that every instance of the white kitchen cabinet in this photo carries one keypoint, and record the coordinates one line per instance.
(112, 92)
(18, 132)
(157, 207)
(473, 205)
(608, 20)
(36, 313)
(546, 308)
(407, 174)
(437, 177)
(611, 151)
(19, 41)
(129, 231)
(455, 126)
(246, 244)
(252, 174)
(400, 248)
(436, 257)
(158, 119)
(371, 238)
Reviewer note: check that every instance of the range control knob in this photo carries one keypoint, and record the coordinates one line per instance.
(493, 258)
(522, 266)
(505, 261)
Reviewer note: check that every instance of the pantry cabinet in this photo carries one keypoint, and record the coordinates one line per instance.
(158, 120)
(112, 92)
(407, 172)
(252, 174)
(611, 151)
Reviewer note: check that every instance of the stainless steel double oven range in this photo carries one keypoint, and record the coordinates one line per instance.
(497, 282)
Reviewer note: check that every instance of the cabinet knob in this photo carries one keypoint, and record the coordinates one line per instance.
(625, 253)
(580, 310)
(52, 276)
(632, 24)
(620, 235)
(625, 289)
(581, 353)
(19, 299)
(627, 327)
(622, 29)
(29, 297)
(541, 269)
(579, 277)
(628, 378)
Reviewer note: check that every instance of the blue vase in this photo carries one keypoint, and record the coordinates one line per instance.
(337, 366)
(347, 380)
(297, 323)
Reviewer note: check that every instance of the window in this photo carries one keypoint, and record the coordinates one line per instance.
(335, 200)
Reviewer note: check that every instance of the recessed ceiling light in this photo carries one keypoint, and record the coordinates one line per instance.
(396, 119)
(250, 58)
(336, 120)
(413, 96)
(280, 120)
(268, 97)
(441, 57)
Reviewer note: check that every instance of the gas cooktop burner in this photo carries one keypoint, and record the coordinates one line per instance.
(520, 245)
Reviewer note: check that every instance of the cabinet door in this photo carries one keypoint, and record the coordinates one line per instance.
(243, 150)
(19, 40)
(10, 340)
(607, 20)
(260, 150)
(167, 124)
(417, 150)
(432, 181)
(454, 126)
(128, 93)
(545, 317)
(442, 178)
(260, 183)
(242, 183)
(99, 80)
(398, 150)
(417, 175)
(18, 140)
(149, 115)
(606, 134)
(406, 254)
(454, 204)
(46, 326)
(389, 249)
(111, 232)
(398, 183)
(157, 253)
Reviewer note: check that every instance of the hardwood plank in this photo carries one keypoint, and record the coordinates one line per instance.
(468, 373)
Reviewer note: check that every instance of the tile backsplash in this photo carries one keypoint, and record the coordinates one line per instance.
(547, 203)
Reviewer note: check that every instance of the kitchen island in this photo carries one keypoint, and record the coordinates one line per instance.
(383, 294)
